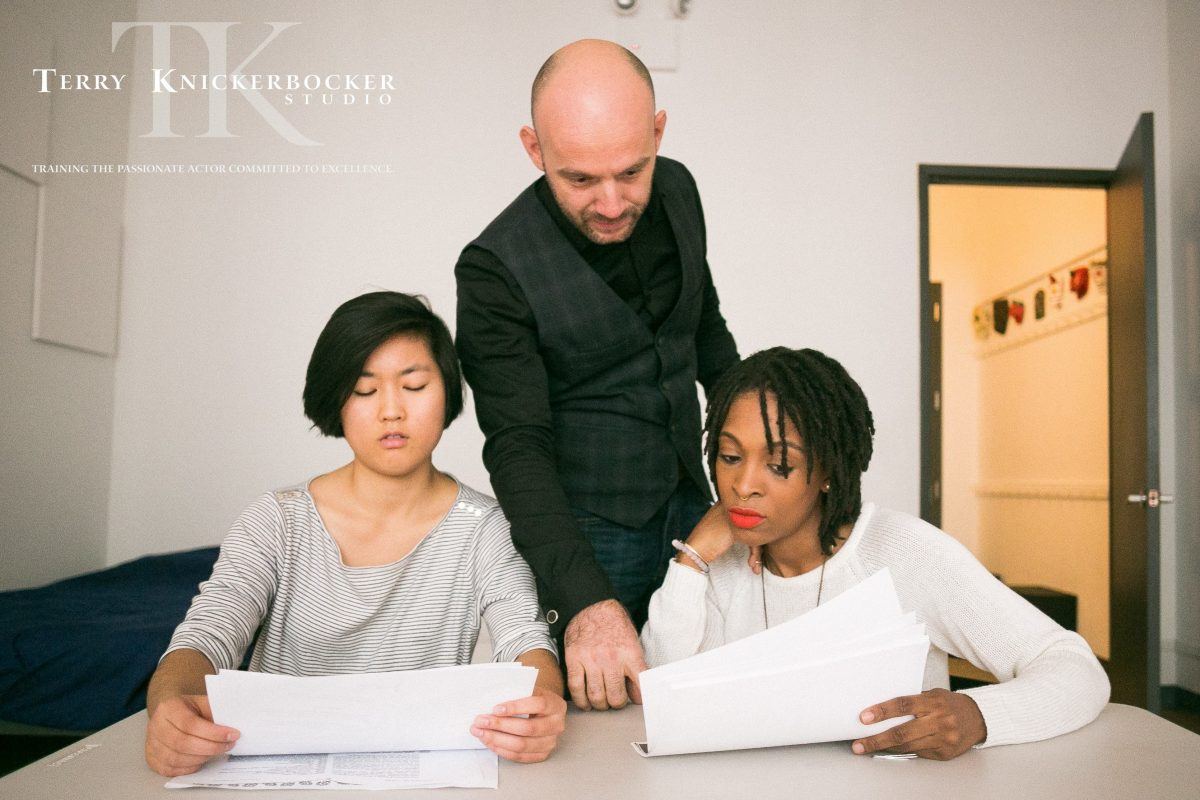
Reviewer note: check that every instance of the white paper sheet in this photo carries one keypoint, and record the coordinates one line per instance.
(803, 681)
(429, 709)
(471, 769)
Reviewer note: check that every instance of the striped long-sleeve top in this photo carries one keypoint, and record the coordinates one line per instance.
(281, 570)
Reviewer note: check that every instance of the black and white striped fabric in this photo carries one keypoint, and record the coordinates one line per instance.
(279, 568)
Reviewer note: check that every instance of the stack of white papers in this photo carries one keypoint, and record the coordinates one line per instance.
(372, 723)
(806, 680)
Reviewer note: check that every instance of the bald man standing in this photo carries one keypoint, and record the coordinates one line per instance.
(586, 315)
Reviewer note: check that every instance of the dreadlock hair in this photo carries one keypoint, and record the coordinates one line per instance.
(827, 408)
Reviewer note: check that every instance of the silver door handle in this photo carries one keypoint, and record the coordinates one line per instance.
(1151, 498)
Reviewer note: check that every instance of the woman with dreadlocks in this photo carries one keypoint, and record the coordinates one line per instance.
(788, 437)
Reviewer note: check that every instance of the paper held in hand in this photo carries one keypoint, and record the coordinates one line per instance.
(803, 681)
(430, 709)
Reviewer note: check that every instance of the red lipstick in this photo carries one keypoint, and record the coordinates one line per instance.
(745, 518)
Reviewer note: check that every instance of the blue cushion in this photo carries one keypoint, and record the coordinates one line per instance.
(78, 654)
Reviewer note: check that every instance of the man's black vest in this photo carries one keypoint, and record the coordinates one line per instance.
(622, 399)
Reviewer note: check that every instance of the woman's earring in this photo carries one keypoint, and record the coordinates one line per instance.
(825, 488)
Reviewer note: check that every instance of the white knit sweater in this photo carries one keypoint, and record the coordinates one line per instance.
(1051, 683)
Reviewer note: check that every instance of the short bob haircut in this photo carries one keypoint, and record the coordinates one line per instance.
(353, 333)
(828, 409)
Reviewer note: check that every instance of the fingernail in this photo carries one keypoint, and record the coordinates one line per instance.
(475, 731)
(231, 737)
(867, 716)
(499, 710)
(481, 722)
(230, 746)
(857, 747)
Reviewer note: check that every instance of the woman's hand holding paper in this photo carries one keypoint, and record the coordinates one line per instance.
(181, 735)
(945, 724)
(524, 739)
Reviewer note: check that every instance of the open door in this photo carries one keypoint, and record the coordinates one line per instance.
(1134, 492)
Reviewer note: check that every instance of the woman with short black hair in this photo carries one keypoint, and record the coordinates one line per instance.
(353, 333)
(383, 564)
(788, 436)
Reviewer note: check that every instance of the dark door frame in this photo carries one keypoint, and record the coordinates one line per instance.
(932, 174)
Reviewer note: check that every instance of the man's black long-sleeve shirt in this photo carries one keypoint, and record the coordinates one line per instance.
(499, 348)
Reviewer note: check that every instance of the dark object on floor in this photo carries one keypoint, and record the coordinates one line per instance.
(1058, 606)
(79, 653)
(1184, 719)
(17, 751)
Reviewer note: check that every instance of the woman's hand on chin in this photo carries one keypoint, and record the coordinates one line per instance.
(711, 537)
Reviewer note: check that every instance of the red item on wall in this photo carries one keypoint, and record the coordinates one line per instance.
(1079, 281)
(1016, 310)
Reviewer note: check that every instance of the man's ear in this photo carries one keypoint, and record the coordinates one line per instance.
(533, 148)
(660, 124)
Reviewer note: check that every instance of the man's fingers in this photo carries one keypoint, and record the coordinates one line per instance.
(634, 689)
(614, 688)
(596, 694)
(602, 651)
(586, 682)
(577, 686)
(633, 682)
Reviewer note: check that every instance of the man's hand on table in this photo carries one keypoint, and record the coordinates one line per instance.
(181, 735)
(603, 655)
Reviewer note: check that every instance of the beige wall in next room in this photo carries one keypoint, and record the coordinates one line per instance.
(1025, 426)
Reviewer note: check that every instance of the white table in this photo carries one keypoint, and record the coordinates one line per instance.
(1125, 753)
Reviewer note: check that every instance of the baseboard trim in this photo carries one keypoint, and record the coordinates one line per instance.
(1181, 699)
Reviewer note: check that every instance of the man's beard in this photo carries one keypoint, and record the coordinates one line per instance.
(629, 218)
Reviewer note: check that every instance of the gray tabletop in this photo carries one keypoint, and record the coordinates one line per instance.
(1125, 753)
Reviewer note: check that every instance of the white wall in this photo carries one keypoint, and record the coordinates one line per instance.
(56, 403)
(803, 122)
(1181, 585)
